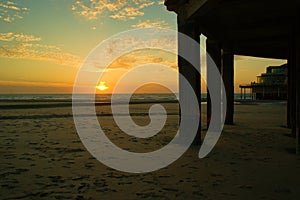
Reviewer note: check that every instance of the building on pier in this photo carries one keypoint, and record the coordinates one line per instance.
(271, 85)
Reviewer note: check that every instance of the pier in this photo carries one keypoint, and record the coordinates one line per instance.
(258, 28)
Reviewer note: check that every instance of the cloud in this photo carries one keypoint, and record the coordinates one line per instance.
(113, 50)
(149, 24)
(116, 9)
(138, 58)
(18, 37)
(161, 2)
(39, 52)
(10, 11)
(30, 83)
(19, 45)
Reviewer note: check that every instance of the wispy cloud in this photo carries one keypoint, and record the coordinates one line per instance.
(145, 40)
(149, 23)
(135, 59)
(39, 52)
(10, 36)
(19, 45)
(10, 11)
(116, 9)
(161, 2)
(31, 83)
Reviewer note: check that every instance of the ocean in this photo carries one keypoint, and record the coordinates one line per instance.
(100, 98)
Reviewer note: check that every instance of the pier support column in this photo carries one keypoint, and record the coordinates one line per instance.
(190, 28)
(291, 101)
(214, 57)
(228, 79)
(297, 66)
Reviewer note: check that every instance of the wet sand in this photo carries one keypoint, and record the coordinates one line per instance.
(42, 157)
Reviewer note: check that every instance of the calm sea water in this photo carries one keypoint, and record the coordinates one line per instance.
(105, 98)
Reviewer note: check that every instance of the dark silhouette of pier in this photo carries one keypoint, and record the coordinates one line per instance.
(260, 28)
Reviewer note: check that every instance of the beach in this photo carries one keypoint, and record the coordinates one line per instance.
(42, 157)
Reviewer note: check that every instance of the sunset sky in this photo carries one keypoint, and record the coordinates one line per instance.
(43, 43)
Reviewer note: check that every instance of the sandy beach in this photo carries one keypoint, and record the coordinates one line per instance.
(42, 157)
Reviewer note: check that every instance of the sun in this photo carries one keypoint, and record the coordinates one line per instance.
(102, 86)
